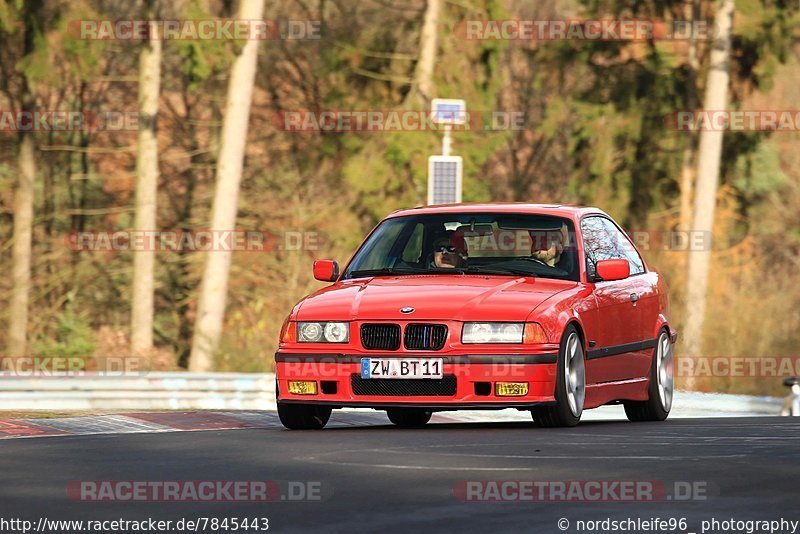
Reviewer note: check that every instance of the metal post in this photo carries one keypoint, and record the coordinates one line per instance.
(445, 171)
(446, 140)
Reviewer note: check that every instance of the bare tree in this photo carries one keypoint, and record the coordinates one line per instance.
(708, 165)
(146, 186)
(687, 165)
(214, 287)
(423, 87)
(23, 231)
(23, 208)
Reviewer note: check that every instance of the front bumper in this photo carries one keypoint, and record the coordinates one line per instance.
(475, 376)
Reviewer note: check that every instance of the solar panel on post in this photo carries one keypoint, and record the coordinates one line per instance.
(448, 111)
(444, 179)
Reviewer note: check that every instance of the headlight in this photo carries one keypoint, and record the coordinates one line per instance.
(323, 332)
(336, 332)
(492, 332)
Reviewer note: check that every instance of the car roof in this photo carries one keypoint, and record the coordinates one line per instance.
(561, 210)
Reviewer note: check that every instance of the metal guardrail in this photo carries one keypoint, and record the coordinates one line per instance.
(153, 391)
(251, 391)
(695, 404)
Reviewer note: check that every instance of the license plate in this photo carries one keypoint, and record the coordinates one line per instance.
(302, 387)
(401, 368)
(511, 389)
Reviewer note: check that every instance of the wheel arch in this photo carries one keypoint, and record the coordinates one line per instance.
(581, 334)
(662, 323)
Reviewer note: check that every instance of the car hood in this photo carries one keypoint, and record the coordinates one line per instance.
(433, 297)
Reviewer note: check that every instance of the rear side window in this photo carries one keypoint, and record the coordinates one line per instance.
(602, 240)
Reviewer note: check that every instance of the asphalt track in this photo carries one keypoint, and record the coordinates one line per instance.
(378, 478)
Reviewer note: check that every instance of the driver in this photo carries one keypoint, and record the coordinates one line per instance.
(449, 252)
(552, 254)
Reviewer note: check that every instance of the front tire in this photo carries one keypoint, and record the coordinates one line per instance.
(409, 417)
(659, 402)
(303, 416)
(570, 385)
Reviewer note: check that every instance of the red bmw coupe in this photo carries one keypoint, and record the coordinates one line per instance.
(544, 308)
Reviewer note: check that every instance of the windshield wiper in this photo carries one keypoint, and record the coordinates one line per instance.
(385, 271)
(502, 271)
(389, 271)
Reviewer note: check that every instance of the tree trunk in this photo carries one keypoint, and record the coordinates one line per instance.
(21, 254)
(708, 164)
(687, 170)
(423, 88)
(214, 287)
(182, 287)
(146, 188)
(23, 210)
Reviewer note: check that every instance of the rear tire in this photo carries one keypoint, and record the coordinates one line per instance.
(660, 389)
(570, 385)
(303, 416)
(409, 417)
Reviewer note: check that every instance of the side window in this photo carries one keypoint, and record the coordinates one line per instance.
(602, 240)
(623, 247)
(593, 243)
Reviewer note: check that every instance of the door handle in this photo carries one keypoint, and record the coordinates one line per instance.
(634, 297)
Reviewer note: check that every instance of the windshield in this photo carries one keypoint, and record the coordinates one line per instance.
(506, 244)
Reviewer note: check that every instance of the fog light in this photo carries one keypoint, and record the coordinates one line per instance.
(511, 389)
(302, 388)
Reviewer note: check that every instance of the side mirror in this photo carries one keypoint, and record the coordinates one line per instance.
(608, 270)
(326, 270)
